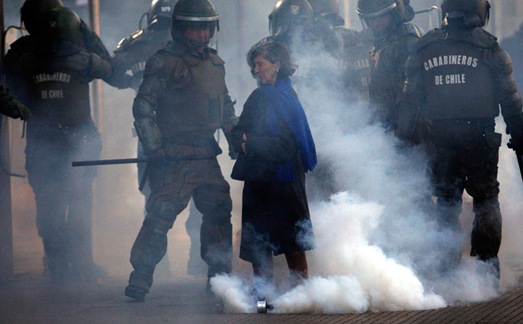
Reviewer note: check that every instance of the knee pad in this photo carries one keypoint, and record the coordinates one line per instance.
(163, 211)
(156, 225)
(163, 208)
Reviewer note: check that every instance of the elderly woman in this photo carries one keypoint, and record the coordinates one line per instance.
(276, 149)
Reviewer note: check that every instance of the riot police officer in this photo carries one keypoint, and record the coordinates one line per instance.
(130, 55)
(181, 102)
(394, 41)
(457, 80)
(50, 72)
(133, 51)
(129, 59)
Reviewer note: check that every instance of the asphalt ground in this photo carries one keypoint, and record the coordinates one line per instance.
(28, 298)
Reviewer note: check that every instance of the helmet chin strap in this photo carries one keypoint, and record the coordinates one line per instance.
(196, 44)
(190, 42)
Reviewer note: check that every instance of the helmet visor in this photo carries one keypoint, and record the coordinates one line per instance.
(373, 14)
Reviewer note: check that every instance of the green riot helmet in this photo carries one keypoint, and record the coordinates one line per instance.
(195, 14)
(328, 11)
(368, 9)
(33, 11)
(289, 16)
(160, 14)
(473, 13)
(62, 24)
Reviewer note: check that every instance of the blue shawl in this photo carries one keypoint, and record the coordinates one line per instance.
(283, 104)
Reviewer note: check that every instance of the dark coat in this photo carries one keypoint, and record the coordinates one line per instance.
(275, 215)
(265, 151)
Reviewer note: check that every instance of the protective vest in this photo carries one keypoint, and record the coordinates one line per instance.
(57, 96)
(193, 101)
(356, 60)
(387, 73)
(60, 96)
(457, 76)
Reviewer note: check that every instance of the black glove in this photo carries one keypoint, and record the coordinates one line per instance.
(515, 130)
(157, 157)
(15, 109)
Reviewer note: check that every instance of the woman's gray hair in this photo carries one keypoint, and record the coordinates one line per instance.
(273, 52)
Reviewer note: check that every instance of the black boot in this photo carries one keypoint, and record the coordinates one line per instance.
(135, 292)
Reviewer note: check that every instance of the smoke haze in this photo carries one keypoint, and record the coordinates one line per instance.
(375, 243)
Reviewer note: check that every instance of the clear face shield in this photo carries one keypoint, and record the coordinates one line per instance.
(368, 19)
(200, 33)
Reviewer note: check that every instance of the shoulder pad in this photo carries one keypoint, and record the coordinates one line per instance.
(433, 36)
(483, 38)
(129, 40)
(216, 60)
(501, 61)
(154, 64)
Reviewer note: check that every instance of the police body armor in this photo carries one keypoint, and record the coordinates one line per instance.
(133, 51)
(55, 92)
(54, 89)
(386, 85)
(196, 91)
(356, 61)
(199, 96)
(451, 70)
(57, 69)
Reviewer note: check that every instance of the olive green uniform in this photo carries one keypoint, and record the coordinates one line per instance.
(181, 102)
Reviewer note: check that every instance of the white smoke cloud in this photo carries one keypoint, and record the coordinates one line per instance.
(376, 244)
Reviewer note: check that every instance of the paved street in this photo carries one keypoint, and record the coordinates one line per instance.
(28, 299)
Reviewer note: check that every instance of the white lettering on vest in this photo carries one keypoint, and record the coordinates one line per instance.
(52, 77)
(450, 60)
(449, 79)
(52, 94)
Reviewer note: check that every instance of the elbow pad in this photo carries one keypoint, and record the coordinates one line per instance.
(149, 135)
(145, 125)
